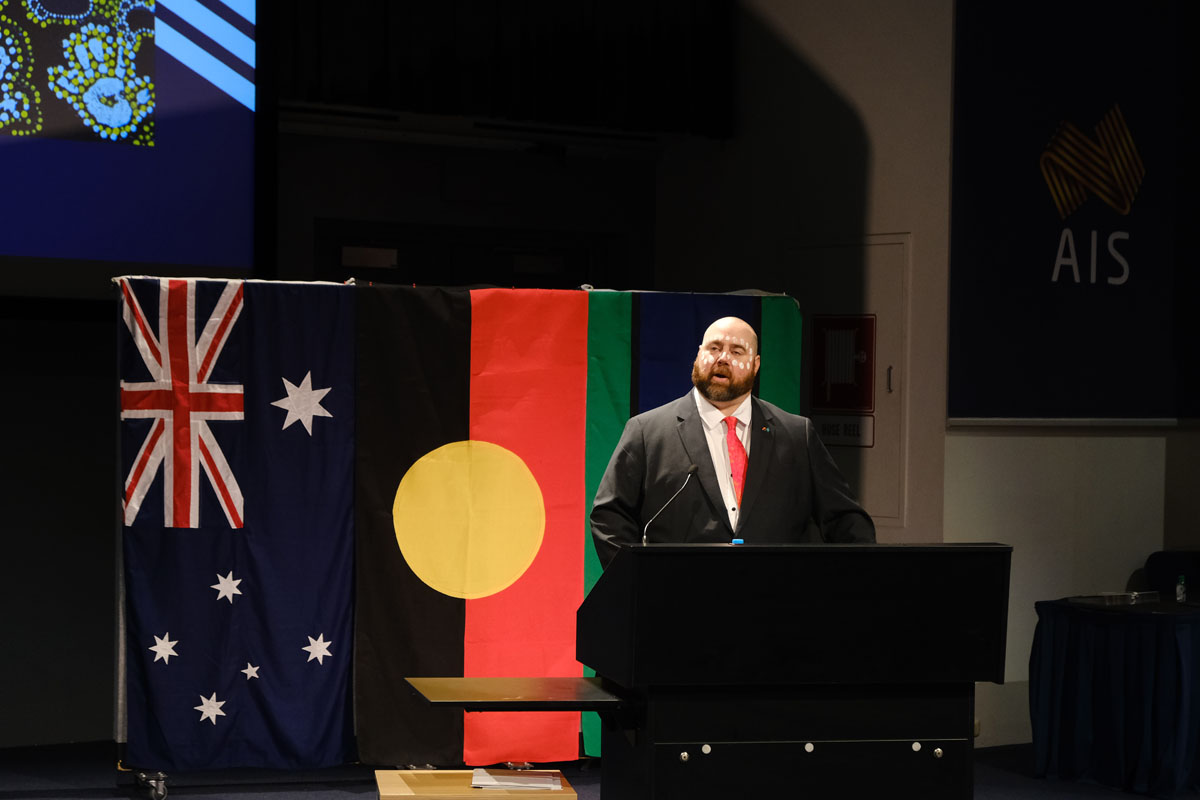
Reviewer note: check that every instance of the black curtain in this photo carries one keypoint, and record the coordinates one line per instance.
(649, 66)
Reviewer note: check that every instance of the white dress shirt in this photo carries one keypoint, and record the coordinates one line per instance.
(715, 431)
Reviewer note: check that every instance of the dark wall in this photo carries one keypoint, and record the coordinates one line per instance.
(617, 65)
(531, 215)
(60, 493)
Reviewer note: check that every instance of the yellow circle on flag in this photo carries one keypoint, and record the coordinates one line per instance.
(469, 518)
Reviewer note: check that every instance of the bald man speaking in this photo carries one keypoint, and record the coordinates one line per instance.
(719, 464)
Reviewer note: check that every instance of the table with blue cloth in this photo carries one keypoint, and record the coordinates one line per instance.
(1114, 694)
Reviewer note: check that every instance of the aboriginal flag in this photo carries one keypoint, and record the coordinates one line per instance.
(513, 400)
(447, 373)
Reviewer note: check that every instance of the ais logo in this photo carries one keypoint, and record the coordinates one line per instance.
(1107, 167)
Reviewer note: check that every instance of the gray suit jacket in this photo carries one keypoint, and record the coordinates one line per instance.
(793, 491)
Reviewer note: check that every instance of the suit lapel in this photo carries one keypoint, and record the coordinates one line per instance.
(762, 448)
(691, 432)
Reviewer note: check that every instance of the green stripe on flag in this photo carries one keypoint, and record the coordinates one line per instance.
(779, 378)
(609, 364)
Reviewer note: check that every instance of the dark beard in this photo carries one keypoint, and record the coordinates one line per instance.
(720, 394)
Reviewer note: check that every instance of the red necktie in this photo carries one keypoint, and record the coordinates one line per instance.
(737, 457)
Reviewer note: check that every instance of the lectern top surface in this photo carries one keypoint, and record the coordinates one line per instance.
(942, 547)
(517, 694)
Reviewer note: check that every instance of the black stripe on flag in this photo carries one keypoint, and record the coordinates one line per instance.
(413, 397)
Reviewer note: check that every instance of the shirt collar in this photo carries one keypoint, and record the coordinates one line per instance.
(713, 416)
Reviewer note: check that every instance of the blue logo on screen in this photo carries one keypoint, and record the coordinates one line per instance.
(219, 47)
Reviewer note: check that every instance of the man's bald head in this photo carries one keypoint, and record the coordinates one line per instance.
(732, 329)
(727, 362)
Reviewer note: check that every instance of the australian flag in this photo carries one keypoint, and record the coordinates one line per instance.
(237, 455)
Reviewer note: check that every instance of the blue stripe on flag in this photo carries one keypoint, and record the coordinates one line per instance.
(670, 327)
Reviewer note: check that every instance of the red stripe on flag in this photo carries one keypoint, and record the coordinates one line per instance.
(218, 482)
(529, 395)
(179, 357)
(135, 477)
(223, 402)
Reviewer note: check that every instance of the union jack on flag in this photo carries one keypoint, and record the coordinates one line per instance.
(181, 398)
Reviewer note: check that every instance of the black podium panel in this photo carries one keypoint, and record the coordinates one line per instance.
(828, 614)
(783, 713)
(824, 671)
(825, 770)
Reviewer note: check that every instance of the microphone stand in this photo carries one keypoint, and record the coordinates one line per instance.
(691, 471)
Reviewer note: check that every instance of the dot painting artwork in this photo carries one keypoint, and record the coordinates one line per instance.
(78, 69)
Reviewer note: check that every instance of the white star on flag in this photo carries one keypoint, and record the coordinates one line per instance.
(164, 648)
(227, 587)
(210, 708)
(302, 402)
(250, 671)
(318, 648)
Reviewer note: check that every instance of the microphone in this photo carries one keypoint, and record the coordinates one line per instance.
(691, 470)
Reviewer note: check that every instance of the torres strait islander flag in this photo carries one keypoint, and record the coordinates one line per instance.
(237, 454)
(485, 420)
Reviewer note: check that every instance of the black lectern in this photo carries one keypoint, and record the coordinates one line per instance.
(836, 671)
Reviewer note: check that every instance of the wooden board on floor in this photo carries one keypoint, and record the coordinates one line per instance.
(452, 784)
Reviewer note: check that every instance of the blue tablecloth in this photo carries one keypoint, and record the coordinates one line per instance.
(1114, 694)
